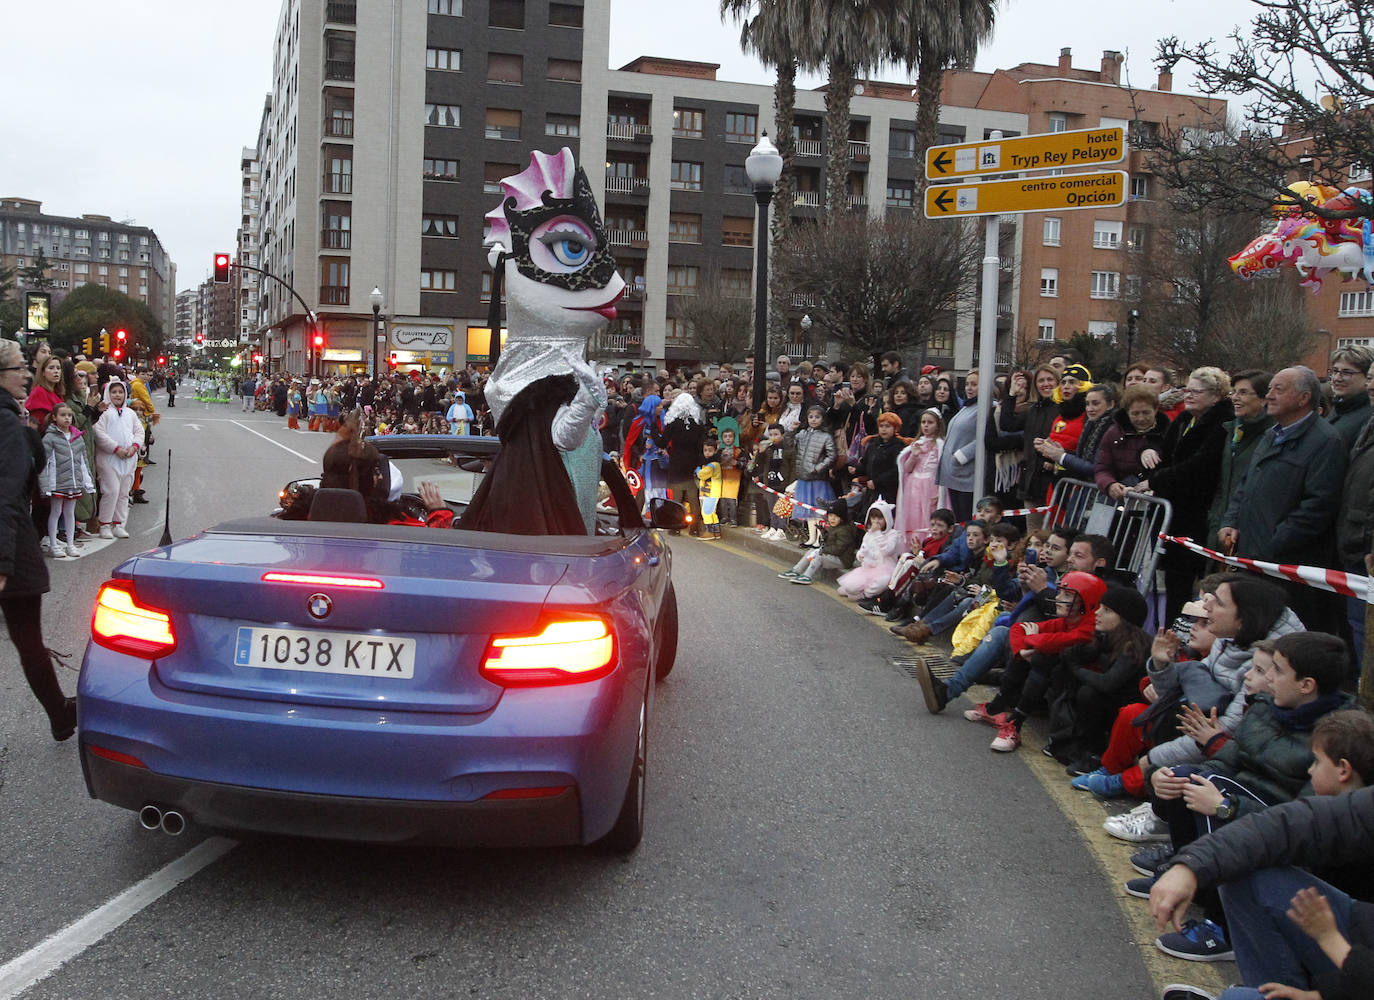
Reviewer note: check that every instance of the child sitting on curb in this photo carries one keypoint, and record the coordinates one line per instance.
(839, 543)
(877, 556)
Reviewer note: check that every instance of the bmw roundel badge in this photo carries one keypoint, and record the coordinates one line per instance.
(319, 606)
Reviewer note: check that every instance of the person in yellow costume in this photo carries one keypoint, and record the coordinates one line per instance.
(141, 402)
(709, 481)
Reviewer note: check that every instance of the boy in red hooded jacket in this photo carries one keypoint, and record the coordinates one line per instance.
(1035, 649)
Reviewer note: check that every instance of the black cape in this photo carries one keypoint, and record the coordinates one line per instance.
(528, 491)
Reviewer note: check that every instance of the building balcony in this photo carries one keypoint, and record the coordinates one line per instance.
(809, 199)
(858, 200)
(628, 132)
(634, 293)
(341, 12)
(805, 147)
(797, 351)
(339, 69)
(333, 295)
(507, 132)
(805, 300)
(616, 184)
(338, 183)
(338, 128)
(336, 239)
(627, 237)
(858, 150)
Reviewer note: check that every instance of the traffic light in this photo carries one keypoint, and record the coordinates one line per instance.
(319, 341)
(257, 359)
(88, 346)
(221, 269)
(161, 361)
(392, 360)
(200, 339)
(121, 335)
(118, 353)
(104, 343)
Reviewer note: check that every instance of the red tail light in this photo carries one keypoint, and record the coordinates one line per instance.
(121, 623)
(116, 756)
(565, 650)
(325, 580)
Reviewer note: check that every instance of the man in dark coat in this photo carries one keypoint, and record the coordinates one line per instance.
(1350, 408)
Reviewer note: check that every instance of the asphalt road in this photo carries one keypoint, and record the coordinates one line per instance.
(812, 831)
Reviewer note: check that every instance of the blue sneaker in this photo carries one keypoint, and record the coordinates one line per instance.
(1199, 941)
(1140, 888)
(1149, 860)
(1100, 783)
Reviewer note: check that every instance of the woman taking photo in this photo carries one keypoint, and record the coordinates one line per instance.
(1035, 422)
(23, 574)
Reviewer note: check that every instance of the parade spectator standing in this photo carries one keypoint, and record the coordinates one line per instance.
(118, 438)
(247, 389)
(1248, 389)
(784, 371)
(1187, 473)
(1099, 409)
(1161, 382)
(1138, 426)
(877, 471)
(956, 469)
(918, 492)
(815, 458)
(65, 478)
(1285, 509)
(171, 385)
(892, 368)
(1350, 407)
(1353, 527)
(1034, 422)
(23, 574)
(684, 431)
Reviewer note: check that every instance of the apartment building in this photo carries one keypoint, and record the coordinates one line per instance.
(89, 249)
(246, 282)
(184, 326)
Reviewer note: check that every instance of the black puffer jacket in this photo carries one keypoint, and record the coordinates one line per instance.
(21, 457)
(1036, 421)
(1312, 832)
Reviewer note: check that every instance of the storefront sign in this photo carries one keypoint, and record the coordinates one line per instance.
(421, 337)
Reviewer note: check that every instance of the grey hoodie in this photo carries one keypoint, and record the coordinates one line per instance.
(1227, 664)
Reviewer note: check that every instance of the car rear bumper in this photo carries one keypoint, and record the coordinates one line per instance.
(531, 822)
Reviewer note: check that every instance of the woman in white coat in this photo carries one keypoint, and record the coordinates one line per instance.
(118, 439)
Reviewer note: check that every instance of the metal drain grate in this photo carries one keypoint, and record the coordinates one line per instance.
(939, 664)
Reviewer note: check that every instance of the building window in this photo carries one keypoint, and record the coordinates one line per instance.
(439, 225)
(1049, 282)
(493, 173)
(1135, 239)
(685, 176)
(1059, 122)
(438, 281)
(736, 180)
(741, 127)
(682, 279)
(735, 283)
(83, 234)
(565, 15)
(1105, 284)
(901, 143)
(562, 125)
(1106, 234)
(1356, 304)
(334, 287)
(507, 14)
(900, 194)
(444, 115)
(687, 123)
(450, 8)
(1132, 286)
(1140, 187)
(1046, 330)
(684, 227)
(503, 123)
(505, 67)
(450, 59)
(441, 170)
(737, 231)
(565, 70)
(336, 233)
(1102, 328)
(1051, 231)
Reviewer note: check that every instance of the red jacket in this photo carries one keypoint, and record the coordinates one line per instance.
(1056, 635)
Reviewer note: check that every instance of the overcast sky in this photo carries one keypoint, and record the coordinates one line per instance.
(139, 109)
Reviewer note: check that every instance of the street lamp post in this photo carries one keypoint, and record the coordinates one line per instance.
(377, 336)
(763, 167)
(806, 324)
(1132, 316)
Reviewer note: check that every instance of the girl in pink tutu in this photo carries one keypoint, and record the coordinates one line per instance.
(917, 494)
(877, 556)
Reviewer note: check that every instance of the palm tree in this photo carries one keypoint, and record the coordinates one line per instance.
(936, 35)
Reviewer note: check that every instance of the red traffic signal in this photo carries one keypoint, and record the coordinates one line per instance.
(121, 336)
(161, 360)
(200, 338)
(118, 353)
(257, 359)
(392, 360)
(221, 269)
(319, 340)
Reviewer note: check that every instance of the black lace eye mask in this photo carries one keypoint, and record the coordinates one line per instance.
(576, 250)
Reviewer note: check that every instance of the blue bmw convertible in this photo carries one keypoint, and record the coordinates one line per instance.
(331, 677)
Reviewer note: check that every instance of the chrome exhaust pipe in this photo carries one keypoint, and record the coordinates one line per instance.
(150, 817)
(173, 823)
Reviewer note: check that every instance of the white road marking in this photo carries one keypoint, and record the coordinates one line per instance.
(197, 427)
(46, 957)
(307, 458)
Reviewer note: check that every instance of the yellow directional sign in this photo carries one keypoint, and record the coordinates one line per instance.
(1065, 192)
(1048, 151)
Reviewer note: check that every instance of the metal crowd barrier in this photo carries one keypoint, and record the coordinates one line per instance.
(1133, 523)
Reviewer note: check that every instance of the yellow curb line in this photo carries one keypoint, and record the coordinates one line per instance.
(1113, 856)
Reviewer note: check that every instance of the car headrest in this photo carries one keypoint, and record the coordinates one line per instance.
(338, 505)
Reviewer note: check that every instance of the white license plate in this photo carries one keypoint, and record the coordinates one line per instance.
(326, 652)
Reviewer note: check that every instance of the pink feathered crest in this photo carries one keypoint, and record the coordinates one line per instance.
(546, 173)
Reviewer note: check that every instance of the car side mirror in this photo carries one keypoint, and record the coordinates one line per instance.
(668, 514)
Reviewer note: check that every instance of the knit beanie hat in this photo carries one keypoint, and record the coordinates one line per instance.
(1128, 603)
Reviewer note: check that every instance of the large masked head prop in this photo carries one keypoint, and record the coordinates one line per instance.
(561, 279)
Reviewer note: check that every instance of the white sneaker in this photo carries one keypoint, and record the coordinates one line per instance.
(119, 531)
(73, 552)
(1139, 826)
(59, 551)
(105, 531)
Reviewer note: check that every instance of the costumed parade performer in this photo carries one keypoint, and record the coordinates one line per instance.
(643, 451)
(551, 247)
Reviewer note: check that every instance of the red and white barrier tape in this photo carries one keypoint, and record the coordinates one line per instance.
(796, 503)
(1334, 580)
